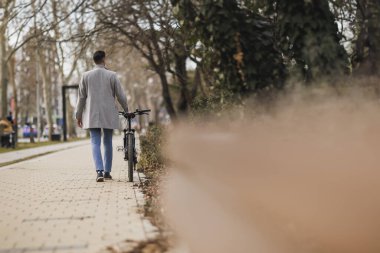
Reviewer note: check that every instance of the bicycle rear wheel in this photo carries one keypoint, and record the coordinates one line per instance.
(130, 157)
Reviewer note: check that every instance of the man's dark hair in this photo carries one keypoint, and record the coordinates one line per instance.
(99, 56)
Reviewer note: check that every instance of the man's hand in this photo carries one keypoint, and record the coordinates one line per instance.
(80, 123)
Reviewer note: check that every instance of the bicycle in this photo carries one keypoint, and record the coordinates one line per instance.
(130, 153)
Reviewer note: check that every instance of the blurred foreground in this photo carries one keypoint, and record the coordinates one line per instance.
(302, 179)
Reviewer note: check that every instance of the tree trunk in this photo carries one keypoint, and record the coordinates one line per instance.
(374, 37)
(166, 95)
(181, 74)
(4, 73)
(7, 7)
(63, 79)
(161, 69)
(197, 84)
(46, 90)
(70, 119)
(12, 80)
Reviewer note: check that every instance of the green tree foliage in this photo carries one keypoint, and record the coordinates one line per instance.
(235, 41)
(308, 36)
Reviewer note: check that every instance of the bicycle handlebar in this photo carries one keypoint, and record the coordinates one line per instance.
(137, 112)
(143, 111)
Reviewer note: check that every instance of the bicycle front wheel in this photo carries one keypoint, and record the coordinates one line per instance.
(130, 157)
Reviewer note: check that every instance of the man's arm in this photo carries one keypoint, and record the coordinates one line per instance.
(120, 94)
(82, 96)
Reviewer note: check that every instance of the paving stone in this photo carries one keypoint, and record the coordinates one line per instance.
(25, 153)
(53, 204)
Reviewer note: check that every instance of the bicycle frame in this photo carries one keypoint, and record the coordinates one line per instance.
(129, 131)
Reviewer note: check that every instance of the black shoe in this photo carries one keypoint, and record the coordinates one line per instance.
(100, 177)
(107, 175)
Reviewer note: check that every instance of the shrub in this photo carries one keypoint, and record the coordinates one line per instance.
(152, 159)
(152, 164)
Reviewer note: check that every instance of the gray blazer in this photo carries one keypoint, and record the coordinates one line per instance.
(96, 105)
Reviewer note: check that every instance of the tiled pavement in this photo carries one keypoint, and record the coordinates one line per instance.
(32, 152)
(53, 204)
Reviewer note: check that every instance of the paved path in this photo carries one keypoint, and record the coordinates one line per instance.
(31, 152)
(53, 204)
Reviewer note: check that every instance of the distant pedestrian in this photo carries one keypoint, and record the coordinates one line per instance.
(10, 117)
(7, 135)
(96, 110)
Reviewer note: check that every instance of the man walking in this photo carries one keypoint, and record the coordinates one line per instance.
(96, 110)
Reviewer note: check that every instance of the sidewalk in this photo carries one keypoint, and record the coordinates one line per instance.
(53, 204)
(20, 155)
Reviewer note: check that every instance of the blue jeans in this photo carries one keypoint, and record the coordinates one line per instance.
(95, 134)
